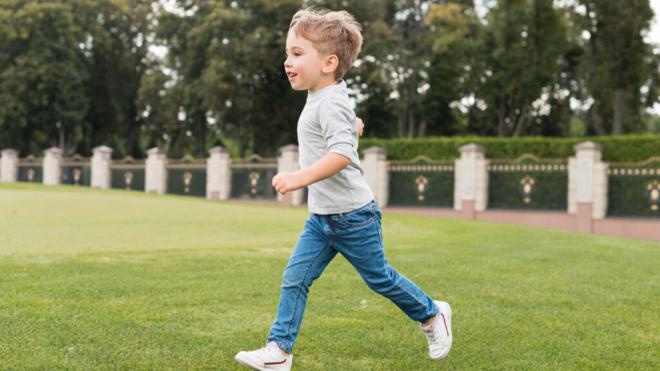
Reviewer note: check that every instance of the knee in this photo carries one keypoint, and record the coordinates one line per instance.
(292, 280)
(296, 280)
(382, 281)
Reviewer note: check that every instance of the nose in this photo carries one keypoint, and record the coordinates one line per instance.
(287, 62)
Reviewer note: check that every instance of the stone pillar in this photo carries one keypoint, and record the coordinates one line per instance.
(101, 160)
(52, 166)
(288, 162)
(8, 166)
(587, 185)
(471, 181)
(218, 174)
(375, 166)
(155, 171)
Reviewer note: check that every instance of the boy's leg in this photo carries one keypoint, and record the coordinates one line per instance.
(311, 255)
(359, 239)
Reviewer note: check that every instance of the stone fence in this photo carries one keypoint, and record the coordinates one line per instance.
(460, 188)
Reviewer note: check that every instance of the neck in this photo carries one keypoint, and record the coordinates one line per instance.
(322, 84)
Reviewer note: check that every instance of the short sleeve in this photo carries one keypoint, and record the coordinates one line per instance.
(337, 121)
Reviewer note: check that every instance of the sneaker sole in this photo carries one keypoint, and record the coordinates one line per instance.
(246, 362)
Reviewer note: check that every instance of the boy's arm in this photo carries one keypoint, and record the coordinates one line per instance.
(327, 166)
(360, 126)
(338, 126)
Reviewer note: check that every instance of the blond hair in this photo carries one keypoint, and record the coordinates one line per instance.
(331, 32)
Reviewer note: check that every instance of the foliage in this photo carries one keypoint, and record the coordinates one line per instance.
(615, 148)
(42, 102)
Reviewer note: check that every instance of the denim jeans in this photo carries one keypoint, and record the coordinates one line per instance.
(357, 235)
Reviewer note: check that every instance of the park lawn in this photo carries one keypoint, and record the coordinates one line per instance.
(94, 279)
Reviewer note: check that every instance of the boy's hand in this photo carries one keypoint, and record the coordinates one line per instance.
(287, 182)
(360, 126)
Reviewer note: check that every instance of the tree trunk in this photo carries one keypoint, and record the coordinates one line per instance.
(200, 134)
(130, 137)
(62, 137)
(422, 128)
(176, 143)
(618, 107)
(501, 128)
(411, 123)
(412, 104)
(596, 114)
(86, 139)
(239, 142)
(597, 118)
(27, 139)
(521, 123)
(201, 142)
(402, 120)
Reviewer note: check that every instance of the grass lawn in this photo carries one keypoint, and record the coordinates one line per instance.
(95, 279)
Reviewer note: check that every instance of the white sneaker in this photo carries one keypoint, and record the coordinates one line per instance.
(439, 333)
(269, 357)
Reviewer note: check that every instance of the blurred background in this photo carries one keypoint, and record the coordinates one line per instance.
(185, 75)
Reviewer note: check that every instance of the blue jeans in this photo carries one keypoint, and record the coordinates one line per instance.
(357, 235)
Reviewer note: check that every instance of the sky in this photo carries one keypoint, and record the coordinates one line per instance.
(654, 35)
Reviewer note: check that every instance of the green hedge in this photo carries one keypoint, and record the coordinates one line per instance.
(615, 148)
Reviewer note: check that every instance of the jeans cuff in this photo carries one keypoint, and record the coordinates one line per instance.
(283, 345)
(434, 312)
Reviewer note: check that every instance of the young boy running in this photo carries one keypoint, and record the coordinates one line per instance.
(321, 46)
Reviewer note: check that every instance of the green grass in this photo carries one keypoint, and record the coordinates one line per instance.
(119, 280)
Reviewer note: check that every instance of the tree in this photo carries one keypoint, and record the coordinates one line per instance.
(618, 62)
(454, 69)
(42, 75)
(525, 45)
(407, 63)
(228, 57)
(118, 35)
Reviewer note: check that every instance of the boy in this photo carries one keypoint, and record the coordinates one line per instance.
(321, 46)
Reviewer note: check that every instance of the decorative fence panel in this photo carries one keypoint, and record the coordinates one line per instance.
(251, 178)
(76, 170)
(421, 182)
(30, 170)
(634, 189)
(187, 177)
(127, 174)
(528, 183)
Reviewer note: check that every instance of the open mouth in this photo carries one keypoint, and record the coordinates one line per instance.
(291, 75)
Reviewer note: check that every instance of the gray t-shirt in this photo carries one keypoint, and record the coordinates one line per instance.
(327, 124)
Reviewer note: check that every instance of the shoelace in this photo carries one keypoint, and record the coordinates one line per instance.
(265, 349)
(268, 349)
(430, 333)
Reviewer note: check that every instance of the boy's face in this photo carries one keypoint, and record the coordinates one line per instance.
(305, 67)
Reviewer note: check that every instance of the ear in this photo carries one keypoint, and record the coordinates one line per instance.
(330, 63)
